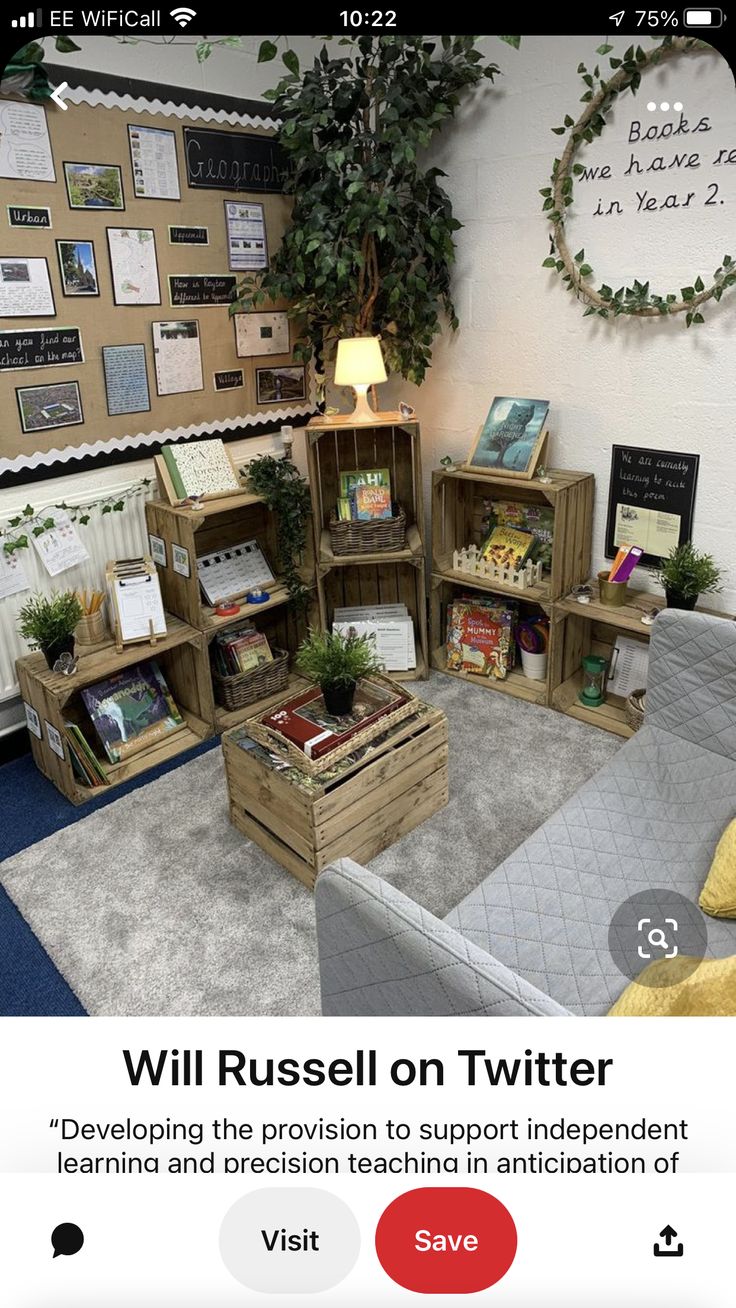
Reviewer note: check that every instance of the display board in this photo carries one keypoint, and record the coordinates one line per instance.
(651, 501)
(125, 294)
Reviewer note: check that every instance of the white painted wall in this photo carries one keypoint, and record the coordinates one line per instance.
(644, 383)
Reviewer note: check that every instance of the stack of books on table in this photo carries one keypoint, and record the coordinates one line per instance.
(306, 722)
(390, 625)
(365, 495)
(240, 649)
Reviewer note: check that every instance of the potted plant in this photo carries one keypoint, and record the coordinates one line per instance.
(336, 663)
(687, 574)
(47, 622)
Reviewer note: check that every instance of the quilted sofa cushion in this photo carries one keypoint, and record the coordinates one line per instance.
(692, 679)
(652, 817)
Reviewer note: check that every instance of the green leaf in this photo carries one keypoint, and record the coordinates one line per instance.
(698, 318)
(48, 524)
(291, 60)
(118, 506)
(65, 45)
(267, 52)
(688, 292)
(585, 270)
(14, 522)
(699, 284)
(28, 511)
(590, 310)
(106, 508)
(580, 256)
(38, 531)
(558, 131)
(549, 263)
(83, 519)
(203, 50)
(569, 122)
(603, 49)
(514, 41)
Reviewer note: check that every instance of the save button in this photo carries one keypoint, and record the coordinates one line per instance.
(446, 1240)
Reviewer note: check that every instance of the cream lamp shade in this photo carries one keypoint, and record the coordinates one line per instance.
(360, 364)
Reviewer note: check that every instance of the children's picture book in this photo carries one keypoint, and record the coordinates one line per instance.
(507, 547)
(510, 439)
(372, 502)
(480, 637)
(132, 710)
(363, 477)
(539, 519)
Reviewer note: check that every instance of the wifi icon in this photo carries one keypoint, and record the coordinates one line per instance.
(183, 16)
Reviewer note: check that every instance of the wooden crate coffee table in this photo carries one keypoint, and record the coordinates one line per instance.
(352, 811)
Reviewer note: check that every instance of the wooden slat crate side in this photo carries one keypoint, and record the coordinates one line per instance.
(378, 831)
(405, 748)
(441, 516)
(433, 797)
(281, 824)
(373, 804)
(186, 672)
(59, 771)
(270, 844)
(240, 763)
(180, 594)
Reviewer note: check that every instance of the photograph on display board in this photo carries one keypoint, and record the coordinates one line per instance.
(77, 267)
(286, 383)
(94, 186)
(43, 407)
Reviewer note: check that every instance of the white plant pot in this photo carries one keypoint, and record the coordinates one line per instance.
(534, 665)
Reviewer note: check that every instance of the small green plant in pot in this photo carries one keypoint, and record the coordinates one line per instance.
(686, 574)
(336, 663)
(47, 622)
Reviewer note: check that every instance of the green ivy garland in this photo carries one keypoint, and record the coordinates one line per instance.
(28, 520)
(599, 96)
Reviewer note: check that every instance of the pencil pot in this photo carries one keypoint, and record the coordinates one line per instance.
(92, 628)
(534, 666)
(612, 592)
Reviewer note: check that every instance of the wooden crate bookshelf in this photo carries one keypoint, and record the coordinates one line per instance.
(459, 497)
(182, 657)
(442, 593)
(385, 577)
(219, 524)
(383, 583)
(592, 629)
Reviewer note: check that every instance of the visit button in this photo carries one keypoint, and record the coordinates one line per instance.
(446, 1240)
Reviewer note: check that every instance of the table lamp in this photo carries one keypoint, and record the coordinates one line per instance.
(360, 364)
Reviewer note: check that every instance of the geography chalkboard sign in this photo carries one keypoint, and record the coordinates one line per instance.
(233, 161)
(201, 289)
(189, 235)
(49, 347)
(28, 215)
(651, 501)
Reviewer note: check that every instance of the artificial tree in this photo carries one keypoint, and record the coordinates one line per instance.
(370, 244)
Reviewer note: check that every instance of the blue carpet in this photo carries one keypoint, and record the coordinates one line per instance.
(30, 984)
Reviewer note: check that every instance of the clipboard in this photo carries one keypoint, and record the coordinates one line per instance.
(136, 606)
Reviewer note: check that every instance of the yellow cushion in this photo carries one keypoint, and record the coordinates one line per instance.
(709, 991)
(718, 896)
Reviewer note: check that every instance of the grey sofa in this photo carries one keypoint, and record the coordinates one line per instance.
(532, 938)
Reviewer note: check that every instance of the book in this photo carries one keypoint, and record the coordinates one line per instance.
(507, 547)
(344, 509)
(305, 721)
(132, 710)
(539, 519)
(240, 649)
(363, 477)
(372, 502)
(85, 763)
(200, 468)
(390, 625)
(480, 637)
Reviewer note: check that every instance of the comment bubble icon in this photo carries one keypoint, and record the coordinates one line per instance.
(67, 1239)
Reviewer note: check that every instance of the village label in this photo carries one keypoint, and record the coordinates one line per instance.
(43, 348)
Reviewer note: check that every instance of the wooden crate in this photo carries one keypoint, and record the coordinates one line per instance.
(182, 657)
(442, 593)
(219, 524)
(372, 804)
(381, 583)
(394, 445)
(284, 629)
(458, 508)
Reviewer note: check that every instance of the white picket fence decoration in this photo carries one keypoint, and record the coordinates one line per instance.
(470, 561)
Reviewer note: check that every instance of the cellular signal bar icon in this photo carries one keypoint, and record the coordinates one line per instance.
(31, 19)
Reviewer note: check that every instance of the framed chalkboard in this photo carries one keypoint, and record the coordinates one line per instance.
(233, 161)
(651, 500)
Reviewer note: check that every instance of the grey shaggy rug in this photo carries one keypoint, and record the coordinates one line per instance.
(157, 905)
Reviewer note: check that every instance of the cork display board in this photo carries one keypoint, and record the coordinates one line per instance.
(236, 390)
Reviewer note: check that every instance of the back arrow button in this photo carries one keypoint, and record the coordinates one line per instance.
(57, 93)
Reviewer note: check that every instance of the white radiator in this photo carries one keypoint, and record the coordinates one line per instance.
(106, 536)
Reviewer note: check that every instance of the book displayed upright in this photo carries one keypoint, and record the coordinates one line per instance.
(131, 710)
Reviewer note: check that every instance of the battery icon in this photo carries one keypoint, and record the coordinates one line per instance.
(703, 17)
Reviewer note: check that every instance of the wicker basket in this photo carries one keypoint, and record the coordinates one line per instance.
(635, 709)
(91, 629)
(277, 744)
(375, 537)
(245, 688)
